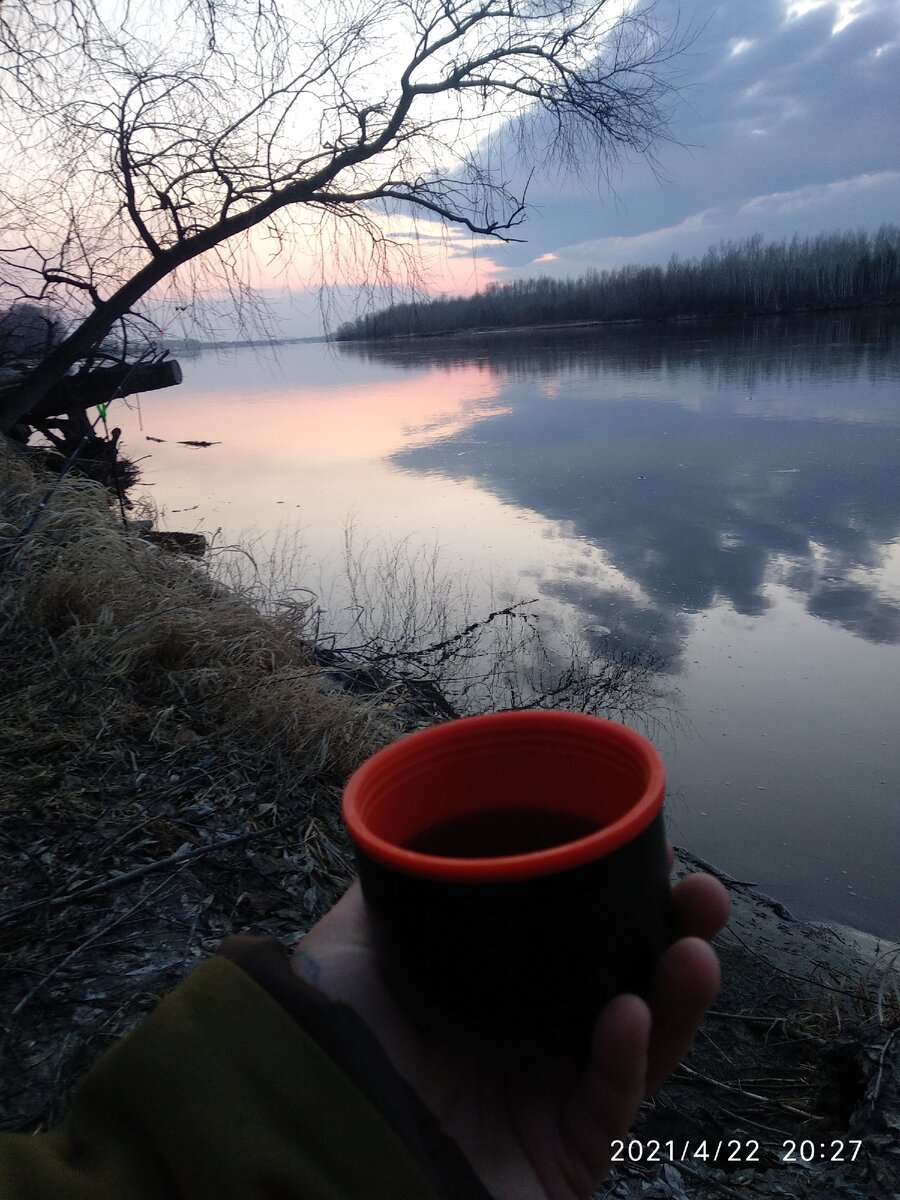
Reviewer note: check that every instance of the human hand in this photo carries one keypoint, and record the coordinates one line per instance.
(544, 1133)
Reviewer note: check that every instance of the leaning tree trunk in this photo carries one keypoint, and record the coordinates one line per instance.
(89, 388)
(21, 398)
(30, 394)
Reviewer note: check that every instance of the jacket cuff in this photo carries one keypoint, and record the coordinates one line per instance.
(217, 1095)
(352, 1046)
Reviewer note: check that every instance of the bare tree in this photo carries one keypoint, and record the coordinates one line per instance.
(145, 143)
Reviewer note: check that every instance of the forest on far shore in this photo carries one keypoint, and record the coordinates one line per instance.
(828, 271)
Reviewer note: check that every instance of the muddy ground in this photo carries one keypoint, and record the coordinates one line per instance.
(801, 1052)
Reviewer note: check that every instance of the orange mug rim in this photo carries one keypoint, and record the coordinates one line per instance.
(504, 868)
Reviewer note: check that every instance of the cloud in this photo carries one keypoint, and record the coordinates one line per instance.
(865, 201)
(845, 11)
(653, 246)
(655, 238)
(786, 123)
(814, 195)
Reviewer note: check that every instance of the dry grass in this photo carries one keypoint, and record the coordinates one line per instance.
(871, 999)
(170, 769)
(126, 633)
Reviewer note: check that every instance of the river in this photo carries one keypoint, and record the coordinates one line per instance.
(725, 496)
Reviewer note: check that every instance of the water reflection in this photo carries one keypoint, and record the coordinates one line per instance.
(701, 486)
(860, 344)
(706, 461)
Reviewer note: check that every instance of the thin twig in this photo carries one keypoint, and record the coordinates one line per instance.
(828, 987)
(177, 859)
(743, 1119)
(715, 1012)
(142, 900)
(877, 1088)
(727, 1087)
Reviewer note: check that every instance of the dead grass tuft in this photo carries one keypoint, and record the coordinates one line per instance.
(170, 770)
(119, 625)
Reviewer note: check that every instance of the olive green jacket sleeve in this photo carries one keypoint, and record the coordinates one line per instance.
(227, 1092)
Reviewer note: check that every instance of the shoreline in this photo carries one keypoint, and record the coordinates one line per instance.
(804, 1005)
(673, 320)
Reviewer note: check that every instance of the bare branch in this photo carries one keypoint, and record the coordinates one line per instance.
(147, 149)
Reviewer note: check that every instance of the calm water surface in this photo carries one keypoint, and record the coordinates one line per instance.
(729, 492)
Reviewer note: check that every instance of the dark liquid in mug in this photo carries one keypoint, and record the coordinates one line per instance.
(494, 832)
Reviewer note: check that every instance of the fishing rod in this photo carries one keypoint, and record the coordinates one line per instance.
(85, 439)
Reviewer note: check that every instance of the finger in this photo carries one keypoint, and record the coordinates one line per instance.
(702, 906)
(670, 857)
(685, 984)
(606, 1101)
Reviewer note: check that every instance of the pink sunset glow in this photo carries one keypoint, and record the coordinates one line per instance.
(375, 419)
(409, 251)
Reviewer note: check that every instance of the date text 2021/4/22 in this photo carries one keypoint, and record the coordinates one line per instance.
(736, 1150)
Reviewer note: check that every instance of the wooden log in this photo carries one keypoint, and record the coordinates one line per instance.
(103, 384)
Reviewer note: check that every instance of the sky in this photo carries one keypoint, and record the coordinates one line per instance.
(787, 121)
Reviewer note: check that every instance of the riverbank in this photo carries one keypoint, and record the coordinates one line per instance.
(675, 321)
(752, 277)
(170, 772)
(794, 1080)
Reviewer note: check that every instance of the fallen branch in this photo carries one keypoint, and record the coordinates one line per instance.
(104, 929)
(181, 856)
(102, 384)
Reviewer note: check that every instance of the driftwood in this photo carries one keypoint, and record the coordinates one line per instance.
(62, 416)
(65, 406)
(103, 384)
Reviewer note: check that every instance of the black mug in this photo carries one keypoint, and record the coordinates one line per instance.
(514, 869)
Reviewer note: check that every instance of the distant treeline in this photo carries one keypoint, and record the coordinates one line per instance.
(829, 271)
